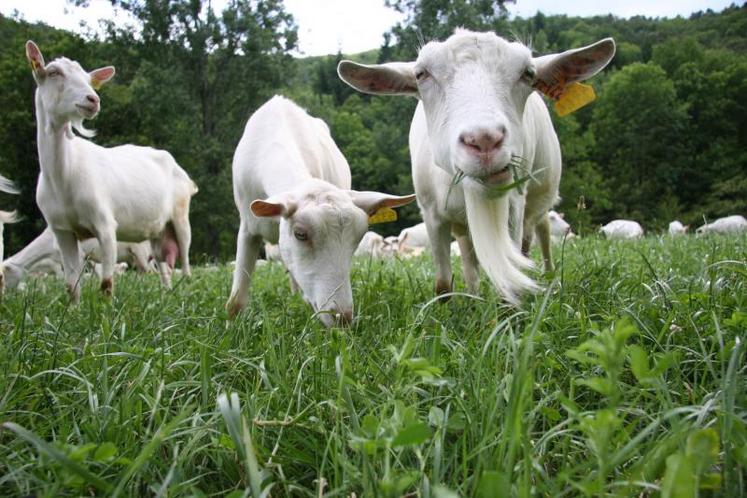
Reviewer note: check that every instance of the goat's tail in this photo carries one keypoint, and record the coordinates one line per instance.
(496, 251)
(9, 217)
(8, 186)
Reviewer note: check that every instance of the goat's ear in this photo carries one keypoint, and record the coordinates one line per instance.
(393, 78)
(273, 207)
(34, 55)
(370, 202)
(100, 76)
(556, 71)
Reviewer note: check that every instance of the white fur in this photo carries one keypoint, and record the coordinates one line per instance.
(730, 224)
(622, 229)
(412, 238)
(477, 110)
(43, 255)
(291, 181)
(676, 228)
(371, 245)
(128, 192)
(6, 217)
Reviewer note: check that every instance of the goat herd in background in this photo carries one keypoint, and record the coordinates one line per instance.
(486, 168)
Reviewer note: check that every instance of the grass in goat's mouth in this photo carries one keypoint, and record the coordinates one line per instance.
(516, 165)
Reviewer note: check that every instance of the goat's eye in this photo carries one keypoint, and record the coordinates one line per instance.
(300, 235)
(53, 73)
(421, 75)
(529, 75)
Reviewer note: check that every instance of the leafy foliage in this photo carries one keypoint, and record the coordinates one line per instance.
(665, 139)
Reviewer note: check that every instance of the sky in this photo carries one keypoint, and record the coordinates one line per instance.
(324, 26)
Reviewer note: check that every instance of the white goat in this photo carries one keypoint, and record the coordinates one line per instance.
(129, 193)
(291, 186)
(559, 228)
(622, 229)
(730, 224)
(413, 239)
(371, 245)
(676, 228)
(6, 217)
(478, 113)
(43, 255)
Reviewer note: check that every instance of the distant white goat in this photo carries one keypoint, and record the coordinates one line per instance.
(6, 217)
(413, 239)
(128, 193)
(478, 114)
(43, 255)
(622, 229)
(676, 228)
(559, 228)
(730, 224)
(291, 187)
(272, 252)
(372, 245)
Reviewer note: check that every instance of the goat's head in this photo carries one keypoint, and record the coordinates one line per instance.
(474, 87)
(66, 91)
(320, 228)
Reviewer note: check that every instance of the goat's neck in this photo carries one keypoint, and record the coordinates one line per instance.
(53, 143)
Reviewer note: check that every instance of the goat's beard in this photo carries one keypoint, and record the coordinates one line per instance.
(77, 124)
(497, 253)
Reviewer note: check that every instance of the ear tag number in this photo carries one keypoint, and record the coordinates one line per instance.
(383, 215)
(575, 96)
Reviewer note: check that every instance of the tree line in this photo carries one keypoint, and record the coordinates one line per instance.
(665, 138)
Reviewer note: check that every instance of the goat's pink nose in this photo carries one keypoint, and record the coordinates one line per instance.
(93, 98)
(483, 141)
(344, 318)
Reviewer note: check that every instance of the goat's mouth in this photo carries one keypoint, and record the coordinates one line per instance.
(88, 111)
(494, 178)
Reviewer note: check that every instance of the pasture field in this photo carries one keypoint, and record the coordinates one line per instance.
(626, 377)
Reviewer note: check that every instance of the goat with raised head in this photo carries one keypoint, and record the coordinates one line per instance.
(126, 193)
(478, 115)
(292, 187)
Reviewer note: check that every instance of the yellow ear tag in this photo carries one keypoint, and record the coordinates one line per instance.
(383, 215)
(576, 96)
(34, 64)
(95, 84)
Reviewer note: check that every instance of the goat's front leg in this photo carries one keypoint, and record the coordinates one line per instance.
(439, 234)
(72, 263)
(517, 204)
(108, 243)
(247, 252)
(469, 259)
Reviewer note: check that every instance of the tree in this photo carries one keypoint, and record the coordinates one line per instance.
(638, 127)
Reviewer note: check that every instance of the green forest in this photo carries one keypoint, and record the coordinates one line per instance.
(664, 140)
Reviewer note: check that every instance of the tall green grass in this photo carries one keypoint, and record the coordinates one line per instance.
(625, 377)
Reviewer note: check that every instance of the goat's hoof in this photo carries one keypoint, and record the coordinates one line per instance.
(74, 292)
(107, 287)
(233, 308)
(443, 288)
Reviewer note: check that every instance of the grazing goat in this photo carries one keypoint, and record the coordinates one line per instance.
(371, 245)
(730, 224)
(292, 187)
(559, 228)
(478, 115)
(676, 228)
(128, 192)
(413, 239)
(42, 254)
(622, 229)
(6, 217)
